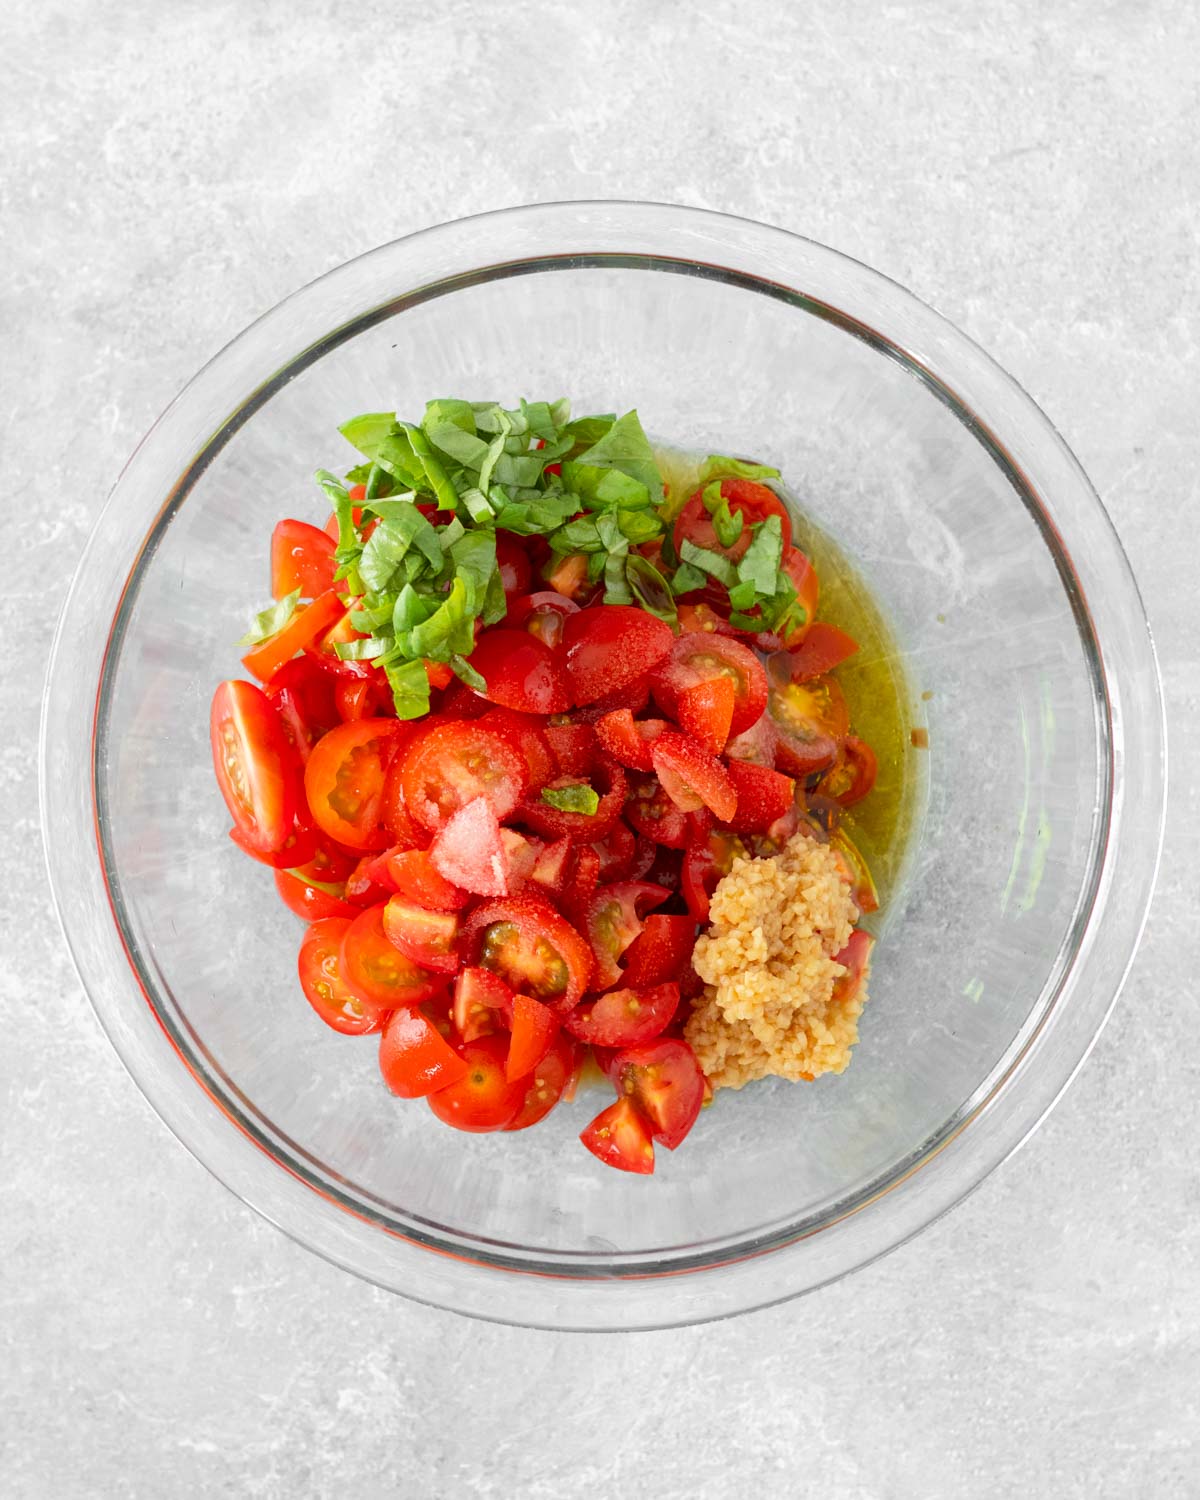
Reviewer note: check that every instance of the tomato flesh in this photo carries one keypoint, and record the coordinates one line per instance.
(664, 1080)
(610, 645)
(614, 920)
(763, 796)
(416, 877)
(301, 558)
(344, 780)
(257, 770)
(693, 778)
(521, 672)
(810, 721)
(306, 625)
(620, 1138)
(852, 776)
(483, 1003)
(534, 1027)
(449, 764)
(652, 813)
(424, 937)
(533, 949)
(324, 985)
(752, 501)
(414, 1057)
(824, 647)
(662, 950)
(482, 1098)
(629, 740)
(310, 901)
(548, 1083)
(698, 657)
(376, 970)
(608, 780)
(624, 1017)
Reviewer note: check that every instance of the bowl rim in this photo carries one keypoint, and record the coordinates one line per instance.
(622, 1292)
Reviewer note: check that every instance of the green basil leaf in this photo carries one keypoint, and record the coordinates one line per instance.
(449, 631)
(495, 603)
(616, 588)
(401, 528)
(712, 563)
(720, 466)
(433, 472)
(270, 621)
(586, 432)
(626, 448)
(377, 485)
(650, 588)
(688, 579)
(578, 536)
(580, 798)
(410, 688)
(726, 523)
(760, 563)
(364, 650)
(465, 672)
(477, 506)
(536, 517)
(604, 489)
(742, 595)
(368, 431)
(410, 609)
(638, 526)
(348, 547)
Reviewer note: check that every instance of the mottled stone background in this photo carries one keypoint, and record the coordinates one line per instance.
(168, 170)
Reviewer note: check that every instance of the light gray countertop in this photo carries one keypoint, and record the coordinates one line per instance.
(171, 168)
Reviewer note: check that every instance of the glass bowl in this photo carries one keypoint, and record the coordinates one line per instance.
(1012, 603)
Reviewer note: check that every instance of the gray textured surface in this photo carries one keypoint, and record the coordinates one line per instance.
(170, 170)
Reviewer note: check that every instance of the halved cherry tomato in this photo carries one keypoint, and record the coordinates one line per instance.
(756, 744)
(823, 648)
(526, 734)
(633, 695)
(620, 1138)
(417, 878)
(426, 937)
(705, 712)
(697, 658)
(852, 777)
(415, 1058)
(548, 1083)
(309, 901)
(709, 858)
(624, 1017)
(393, 814)
(855, 958)
(469, 851)
(461, 702)
(323, 984)
(521, 672)
(608, 780)
(258, 772)
(574, 747)
(693, 778)
(664, 1080)
(810, 721)
(763, 796)
(653, 813)
(754, 502)
(614, 919)
(482, 1003)
(628, 740)
(301, 558)
(617, 851)
(306, 625)
(534, 1027)
(451, 763)
(438, 674)
(482, 1099)
(610, 645)
(542, 614)
(344, 780)
(303, 696)
(515, 572)
(534, 950)
(661, 952)
(374, 968)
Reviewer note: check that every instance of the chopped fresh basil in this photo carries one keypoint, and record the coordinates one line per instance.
(270, 621)
(579, 798)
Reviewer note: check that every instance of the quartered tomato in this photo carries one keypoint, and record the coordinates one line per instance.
(483, 1003)
(696, 658)
(427, 938)
(855, 958)
(301, 558)
(521, 672)
(482, 1099)
(324, 987)
(693, 778)
(303, 696)
(614, 919)
(307, 624)
(258, 772)
(610, 645)
(417, 878)
(810, 721)
(651, 812)
(547, 1084)
(624, 1017)
(763, 796)
(754, 502)
(534, 1027)
(534, 950)
(852, 776)
(543, 615)
(709, 857)
(629, 740)
(449, 764)
(607, 780)
(415, 1058)
(824, 647)
(661, 952)
(620, 1138)
(297, 849)
(756, 744)
(705, 712)
(375, 969)
(344, 780)
(664, 1080)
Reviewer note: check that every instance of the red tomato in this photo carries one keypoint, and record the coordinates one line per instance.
(664, 1080)
(756, 744)
(324, 987)
(610, 645)
(862, 886)
(298, 848)
(534, 950)
(469, 851)
(616, 852)
(542, 614)
(653, 813)
(361, 698)
(415, 1058)
(634, 696)
(708, 858)
(308, 622)
(303, 696)
(309, 901)
(301, 558)
(661, 952)
(693, 778)
(257, 770)
(548, 1083)
(855, 958)
(608, 780)
(344, 780)
(699, 617)
(628, 740)
(581, 887)
(823, 648)
(554, 866)
(569, 576)
(614, 919)
(451, 763)
(374, 968)
(438, 674)
(853, 775)
(619, 1137)
(482, 1099)
(369, 883)
(427, 938)
(483, 1003)
(697, 658)
(810, 721)
(515, 572)
(706, 712)
(417, 879)
(394, 815)
(525, 733)
(754, 502)
(521, 672)
(574, 748)
(461, 702)
(808, 590)
(763, 796)
(625, 1017)
(534, 1028)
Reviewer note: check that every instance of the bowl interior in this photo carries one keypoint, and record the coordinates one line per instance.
(938, 524)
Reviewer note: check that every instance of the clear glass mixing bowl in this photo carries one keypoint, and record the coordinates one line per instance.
(1010, 597)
